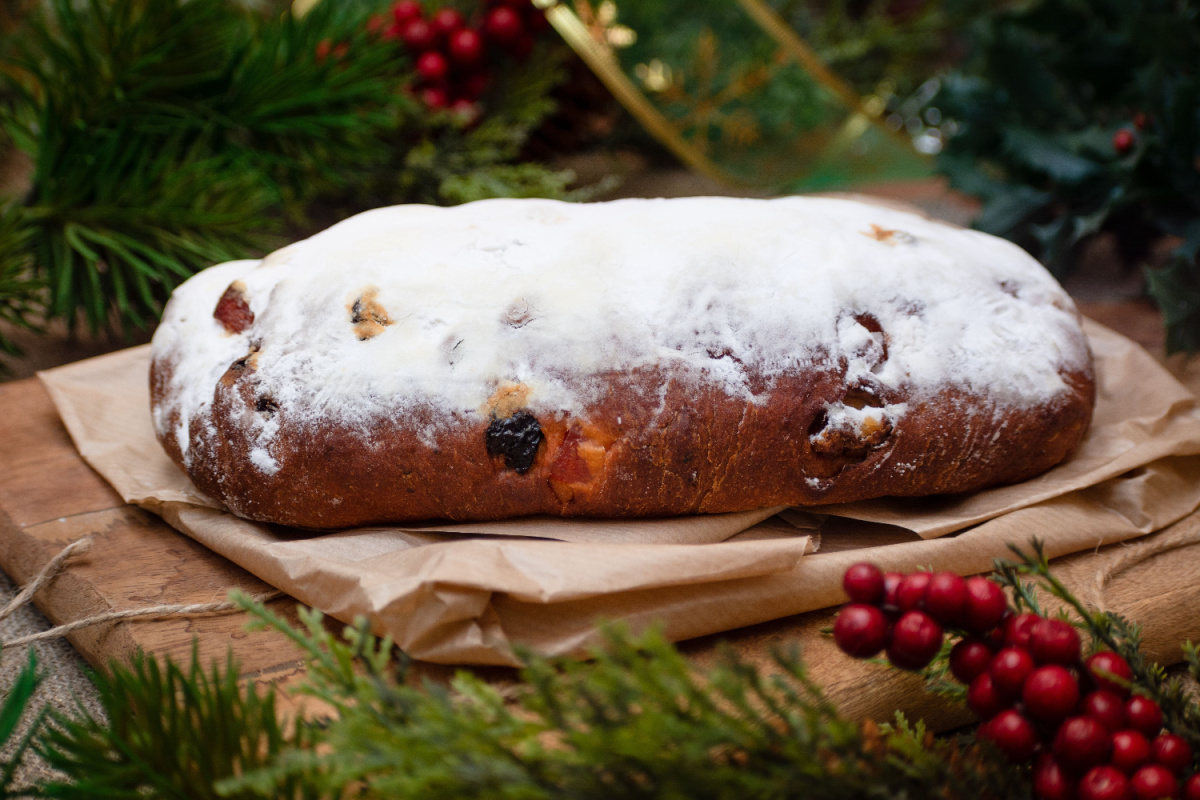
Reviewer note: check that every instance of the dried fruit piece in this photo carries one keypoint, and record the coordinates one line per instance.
(233, 309)
(516, 438)
(368, 317)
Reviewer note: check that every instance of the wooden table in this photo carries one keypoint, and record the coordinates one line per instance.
(49, 497)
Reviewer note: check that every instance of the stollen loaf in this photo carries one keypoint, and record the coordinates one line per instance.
(632, 358)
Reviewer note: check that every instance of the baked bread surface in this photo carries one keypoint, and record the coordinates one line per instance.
(632, 358)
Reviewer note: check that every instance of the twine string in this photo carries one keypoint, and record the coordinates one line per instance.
(1134, 554)
(55, 566)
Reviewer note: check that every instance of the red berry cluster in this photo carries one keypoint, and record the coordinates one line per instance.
(454, 56)
(1092, 739)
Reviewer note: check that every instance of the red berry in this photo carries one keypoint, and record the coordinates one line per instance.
(323, 49)
(1123, 141)
(1172, 751)
(406, 10)
(910, 593)
(1104, 783)
(1018, 629)
(432, 65)
(1130, 750)
(1050, 692)
(1009, 669)
(985, 604)
(435, 97)
(1141, 120)
(863, 583)
(916, 639)
(983, 699)
(1106, 707)
(1111, 672)
(1053, 641)
(1050, 780)
(467, 112)
(1143, 714)
(946, 598)
(1013, 734)
(418, 35)
(1191, 787)
(466, 46)
(969, 659)
(891, 584)
(1153, 782)
(1081, 743)
(860, 630)
(503, 25)
(446, 21)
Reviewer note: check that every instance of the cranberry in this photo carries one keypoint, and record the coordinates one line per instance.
(1191, 787)
(1172, 751)
(1104, 783)
(1123, 141)
(418, 35)
(1050, 780)
(916, 639)
(983, 699)
(1019, 628)
(406, 10)
(503, 25)
(863, 583)
(432, 65)
(1050, 692)
(1153, 782)
(435, 97)
(969, 659)
(466, 46)
(860, 630)
(1013, 734)
(1081, 743)
(1009, 669)
(1130, 750)
(1105, 707)
(910, 593)
(1053, 641)
(1143, 714)
(891, 583)
(1111, 672)
(446, 21)
(946, 598)
(986, 604)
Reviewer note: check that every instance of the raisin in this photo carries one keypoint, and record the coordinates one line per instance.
(232, 310)
(516, 438)
(266, 405)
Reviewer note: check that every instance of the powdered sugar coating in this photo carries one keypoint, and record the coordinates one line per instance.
(554, 295)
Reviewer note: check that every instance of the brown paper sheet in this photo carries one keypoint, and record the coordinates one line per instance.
(456, 593)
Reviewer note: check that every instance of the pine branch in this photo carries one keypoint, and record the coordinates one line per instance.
(20, 293)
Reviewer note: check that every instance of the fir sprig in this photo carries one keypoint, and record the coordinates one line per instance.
(20, 293)
(15, 712)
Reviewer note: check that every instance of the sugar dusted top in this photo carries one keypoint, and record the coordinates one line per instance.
(419, 305)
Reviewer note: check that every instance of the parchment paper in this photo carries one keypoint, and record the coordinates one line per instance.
(465, 593)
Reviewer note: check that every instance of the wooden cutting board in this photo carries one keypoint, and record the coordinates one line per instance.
(49, 498)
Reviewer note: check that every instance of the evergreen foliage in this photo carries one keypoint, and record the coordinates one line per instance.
(168, 135)
(1077, 118)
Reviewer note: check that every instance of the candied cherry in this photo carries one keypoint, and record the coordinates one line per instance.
(863, 583)
(1050, 693)
(916, 639)
(860, 630)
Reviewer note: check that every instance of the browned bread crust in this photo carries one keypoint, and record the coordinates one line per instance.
(657, 441)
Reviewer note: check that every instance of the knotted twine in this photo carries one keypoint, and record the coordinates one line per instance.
(55, 566)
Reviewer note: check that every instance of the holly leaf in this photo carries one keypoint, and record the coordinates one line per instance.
(1043, 154)
(1011, 207)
